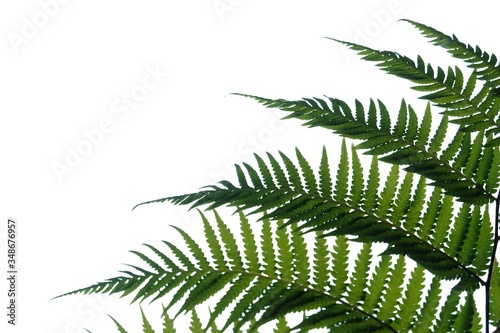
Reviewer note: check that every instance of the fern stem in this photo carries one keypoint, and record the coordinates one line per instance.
(492, 263)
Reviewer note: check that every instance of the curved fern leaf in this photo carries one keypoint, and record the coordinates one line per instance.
(406, 144)
(373, 295)
(443, 88)
(254, 298)
(485, 65)
(375, 218)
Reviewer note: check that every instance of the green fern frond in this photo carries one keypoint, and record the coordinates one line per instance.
(168, 323)
(369, 219)
(485, 65)
(347, 297)
(442, 87)
(406, 144)
(301, 265)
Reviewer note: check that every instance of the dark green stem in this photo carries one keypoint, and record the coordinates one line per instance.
(492, 263)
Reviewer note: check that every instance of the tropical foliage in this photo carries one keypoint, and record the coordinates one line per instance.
(351, 248)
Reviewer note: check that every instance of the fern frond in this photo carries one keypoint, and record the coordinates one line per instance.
(464, 239)
(377, 285)
(374, 218)
(301, 266)
(442, 87)
(304, 259)
(284, 255)
(321, 264)
(358, 281)
(406, 144)
(343, 297)
(485, 65)
(249, 245)
(372, 295)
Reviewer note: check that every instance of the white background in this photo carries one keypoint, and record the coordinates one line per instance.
(65, 72)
